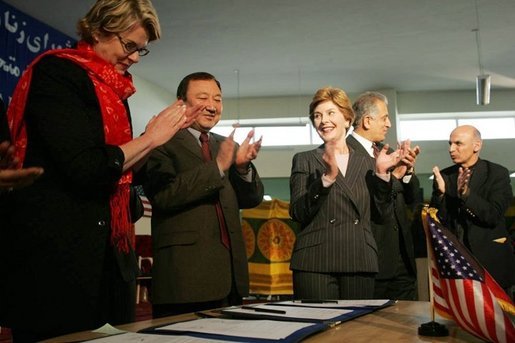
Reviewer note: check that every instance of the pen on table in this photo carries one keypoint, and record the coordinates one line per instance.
(206, 314)
(264, 310)
(318, 301)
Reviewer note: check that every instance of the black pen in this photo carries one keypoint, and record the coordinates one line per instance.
(264, 310)
(318, 301)
(206, 314)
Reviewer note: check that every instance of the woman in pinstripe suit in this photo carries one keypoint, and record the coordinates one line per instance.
(333, 196)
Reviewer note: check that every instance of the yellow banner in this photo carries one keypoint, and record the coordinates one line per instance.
(269, 209)
(270, 278)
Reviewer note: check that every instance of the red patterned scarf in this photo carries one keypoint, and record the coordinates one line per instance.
(111, 89)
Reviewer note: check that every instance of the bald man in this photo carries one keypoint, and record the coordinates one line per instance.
(472, 197)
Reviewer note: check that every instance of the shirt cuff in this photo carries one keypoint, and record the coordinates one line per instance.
(407, 178)
(326, 181)
(247, 176)
(384, 177)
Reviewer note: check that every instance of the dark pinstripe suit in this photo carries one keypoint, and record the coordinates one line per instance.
(397, 270)
(336, 234)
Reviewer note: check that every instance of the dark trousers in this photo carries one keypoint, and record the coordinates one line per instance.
(309, 285)
(116, 305)
(25, 336)
(165, 310)
(402, 286)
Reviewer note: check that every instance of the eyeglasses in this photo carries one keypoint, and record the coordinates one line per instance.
(131, 47)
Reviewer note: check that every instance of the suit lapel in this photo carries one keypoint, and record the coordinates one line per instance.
(189, 142)
(353, 171)
(479, 174)
(347, 183)
(214, 144)
(350, 181)
(357, 146)
(319, 152)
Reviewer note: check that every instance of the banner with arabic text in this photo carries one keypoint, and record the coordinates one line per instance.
(23, 38)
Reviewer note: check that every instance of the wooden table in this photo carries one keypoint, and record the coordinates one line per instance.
(398, 323)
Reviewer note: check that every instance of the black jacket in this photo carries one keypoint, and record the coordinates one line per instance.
(55, 253)
(393, 234)
(479, 221)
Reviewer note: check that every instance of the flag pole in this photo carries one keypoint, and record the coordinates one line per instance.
(432, 328)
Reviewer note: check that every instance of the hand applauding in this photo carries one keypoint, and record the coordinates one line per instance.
(10, 177)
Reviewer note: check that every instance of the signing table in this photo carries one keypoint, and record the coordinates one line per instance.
(397, 323)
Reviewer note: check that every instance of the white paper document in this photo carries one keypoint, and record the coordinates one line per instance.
(132, 337)
(336, 303)
(265, 329)
(315, 314)
(108, 329)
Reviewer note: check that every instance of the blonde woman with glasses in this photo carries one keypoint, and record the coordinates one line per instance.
(67, 250)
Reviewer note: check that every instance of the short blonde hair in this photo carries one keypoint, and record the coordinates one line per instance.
(115, 16)
(337, 96)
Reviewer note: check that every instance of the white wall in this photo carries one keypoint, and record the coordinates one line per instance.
(435, 153)
(148, 100)
(276, 161)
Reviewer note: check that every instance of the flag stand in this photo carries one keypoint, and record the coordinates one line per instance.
(432, 328)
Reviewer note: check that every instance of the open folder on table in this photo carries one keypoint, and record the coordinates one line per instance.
(372, 304)
(221, 329)
(133, 337)
(290, 312)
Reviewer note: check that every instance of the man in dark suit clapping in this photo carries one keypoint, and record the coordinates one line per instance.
(472, 197)
(397, 270)
(197, 182)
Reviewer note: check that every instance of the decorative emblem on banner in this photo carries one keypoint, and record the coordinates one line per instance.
(276, 240)
(249, 237)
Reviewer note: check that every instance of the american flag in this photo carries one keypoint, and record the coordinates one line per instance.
(462, 289)
(147, 207)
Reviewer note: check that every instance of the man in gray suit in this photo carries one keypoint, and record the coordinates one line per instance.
(397, 270)
(196, 183)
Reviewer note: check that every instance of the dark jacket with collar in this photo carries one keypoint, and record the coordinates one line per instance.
(190, 262)
(54, 255)
(393, 233)
(336, 233)
(479, 220)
